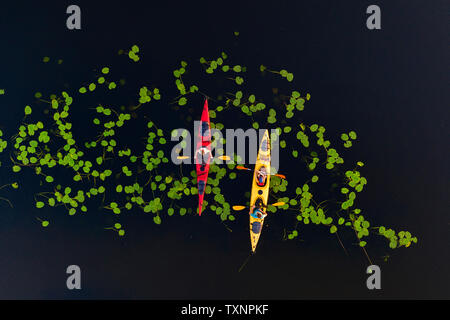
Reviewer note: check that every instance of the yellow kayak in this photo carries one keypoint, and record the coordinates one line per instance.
(260, 188)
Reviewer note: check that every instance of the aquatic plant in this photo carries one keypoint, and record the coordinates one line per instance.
(124, 175)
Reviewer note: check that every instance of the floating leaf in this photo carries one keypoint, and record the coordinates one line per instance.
(182, 101)
(40, 204)
(157, 220)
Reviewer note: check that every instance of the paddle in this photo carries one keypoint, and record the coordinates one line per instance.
(276, 204)
(282, 176)
(224, 158)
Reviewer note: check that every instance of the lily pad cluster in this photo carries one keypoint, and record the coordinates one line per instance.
(123, 177)
(3, 143)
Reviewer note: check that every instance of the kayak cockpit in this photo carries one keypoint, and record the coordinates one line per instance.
(206, 132)
(256, 227)
(201, 187)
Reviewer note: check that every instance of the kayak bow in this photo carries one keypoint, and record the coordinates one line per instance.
(203, 154)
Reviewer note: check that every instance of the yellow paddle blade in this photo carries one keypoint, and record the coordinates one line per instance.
(239, 208)
(278, 204)
(242, 168)
(225, 158)
(182, 157)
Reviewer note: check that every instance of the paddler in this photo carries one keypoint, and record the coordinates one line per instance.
(257, 212)
(203, 151)
(261, 176)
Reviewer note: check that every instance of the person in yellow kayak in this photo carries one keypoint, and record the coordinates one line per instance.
(257, 212)
(261, 177)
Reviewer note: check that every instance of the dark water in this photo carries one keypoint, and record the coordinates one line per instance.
(391, 86)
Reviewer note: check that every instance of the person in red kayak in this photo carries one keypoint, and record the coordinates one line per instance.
(202, 156)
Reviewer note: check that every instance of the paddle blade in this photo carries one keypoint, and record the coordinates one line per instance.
(242, 168)
(182, 157)
(224, 158)
(282, 176)
(238, 208)
(278, 204)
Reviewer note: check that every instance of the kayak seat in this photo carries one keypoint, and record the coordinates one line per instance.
(259, 202)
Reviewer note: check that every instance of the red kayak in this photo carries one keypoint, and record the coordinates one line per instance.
(203, 155)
